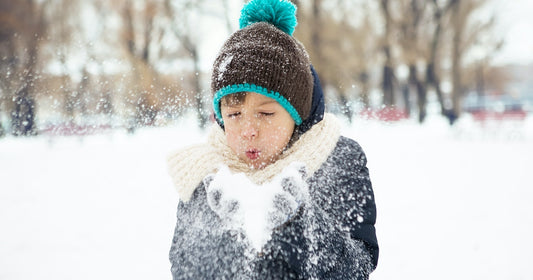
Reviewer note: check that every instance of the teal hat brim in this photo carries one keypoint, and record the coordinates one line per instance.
(257, 89)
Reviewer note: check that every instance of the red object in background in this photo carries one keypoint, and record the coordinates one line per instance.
(484, 115)
(386, 114)
(72, 129)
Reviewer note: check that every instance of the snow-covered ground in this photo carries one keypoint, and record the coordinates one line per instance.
(453, 203)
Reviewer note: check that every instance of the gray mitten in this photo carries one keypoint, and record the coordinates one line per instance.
(287, 202)
(226, 207)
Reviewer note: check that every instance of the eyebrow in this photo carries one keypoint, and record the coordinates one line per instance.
(235, 105)
(267, 102)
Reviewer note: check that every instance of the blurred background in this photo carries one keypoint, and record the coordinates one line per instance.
(78, 66)
(95, 94)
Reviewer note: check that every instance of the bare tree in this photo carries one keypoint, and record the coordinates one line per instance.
(352, 52)
(60, 34)
(413, 27)
(367, 51)
(388, 72)
(466, 30)
(341, 49)
(421, 22)
(137, 43)
(182, 26)
(432, 77)
(22, 28)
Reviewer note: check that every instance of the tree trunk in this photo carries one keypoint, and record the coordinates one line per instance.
(198, 92)
(480, 80)
(365, 88)
(186, 39)
(420, 92)
(457, 91)
(2, 131)
(142, 101)
(345, 107)
(23, 115)
(388, 85)
(315, 31)
(388, 72)
(406, 92)
(84, 92)
(432, 78)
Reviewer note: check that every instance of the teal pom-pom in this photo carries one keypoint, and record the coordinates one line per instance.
(280, 13)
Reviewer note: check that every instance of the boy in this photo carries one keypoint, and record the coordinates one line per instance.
(269, 107)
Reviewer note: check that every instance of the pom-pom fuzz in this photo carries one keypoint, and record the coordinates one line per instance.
(280, 13)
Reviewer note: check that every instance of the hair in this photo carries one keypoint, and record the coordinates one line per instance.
(233, 99)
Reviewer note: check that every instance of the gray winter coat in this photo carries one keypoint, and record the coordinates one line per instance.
(331, 237)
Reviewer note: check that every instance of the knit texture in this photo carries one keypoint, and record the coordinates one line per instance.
(261, 90)
(281, 13)
(265, 56)
(189, 166)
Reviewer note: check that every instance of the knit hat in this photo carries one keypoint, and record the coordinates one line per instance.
(264, 58)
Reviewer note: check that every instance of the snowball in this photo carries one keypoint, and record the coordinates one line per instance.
(257, 209)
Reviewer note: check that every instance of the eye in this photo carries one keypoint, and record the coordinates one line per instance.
(266, 114)
(233, 115)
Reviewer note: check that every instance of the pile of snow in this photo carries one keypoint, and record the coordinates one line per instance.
(257, 209)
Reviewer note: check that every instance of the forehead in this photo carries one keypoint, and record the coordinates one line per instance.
(248, 99)
(257, 98)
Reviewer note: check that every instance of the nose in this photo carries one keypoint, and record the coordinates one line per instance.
(249, 129)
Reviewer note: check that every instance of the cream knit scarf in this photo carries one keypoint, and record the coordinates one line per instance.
(189, 166)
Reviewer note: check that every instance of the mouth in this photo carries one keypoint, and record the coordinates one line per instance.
(252, 154)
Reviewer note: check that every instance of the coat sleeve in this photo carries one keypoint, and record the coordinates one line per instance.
(347, 197)
(201, 248)
(362, 214)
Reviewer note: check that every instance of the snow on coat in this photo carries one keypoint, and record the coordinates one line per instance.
(330, 236)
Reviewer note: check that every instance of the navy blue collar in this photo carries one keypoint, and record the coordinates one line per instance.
(317, 106)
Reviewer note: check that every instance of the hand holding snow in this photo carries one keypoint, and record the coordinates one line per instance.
(257, 209)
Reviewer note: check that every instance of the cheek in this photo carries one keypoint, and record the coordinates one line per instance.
(232, 137)
(281, 134)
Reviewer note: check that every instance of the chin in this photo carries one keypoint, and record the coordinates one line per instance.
(257, 164)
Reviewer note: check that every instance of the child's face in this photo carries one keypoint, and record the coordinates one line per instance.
(258, 129)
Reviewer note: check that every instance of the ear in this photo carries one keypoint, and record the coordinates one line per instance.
(219, 122)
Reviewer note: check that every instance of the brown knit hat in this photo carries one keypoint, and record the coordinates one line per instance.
(262, 58)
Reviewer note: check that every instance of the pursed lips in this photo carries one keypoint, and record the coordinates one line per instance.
(252, 153)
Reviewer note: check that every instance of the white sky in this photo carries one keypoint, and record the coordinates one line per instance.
(515, 21)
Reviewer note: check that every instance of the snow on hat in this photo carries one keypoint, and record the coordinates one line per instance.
(264, 58)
